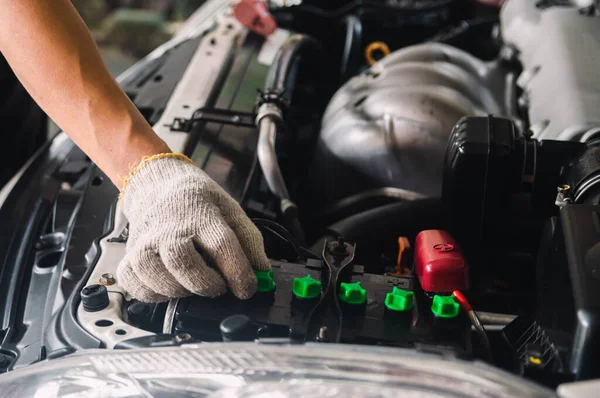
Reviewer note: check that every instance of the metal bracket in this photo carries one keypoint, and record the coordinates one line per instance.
(325, 320)
(122, 238)
(213, 115)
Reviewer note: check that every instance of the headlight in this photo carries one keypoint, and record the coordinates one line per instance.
(261, 370)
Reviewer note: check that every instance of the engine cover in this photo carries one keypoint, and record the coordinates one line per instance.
(388, 127)
(560, 50)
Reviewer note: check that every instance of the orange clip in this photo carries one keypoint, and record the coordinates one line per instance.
(403, 247)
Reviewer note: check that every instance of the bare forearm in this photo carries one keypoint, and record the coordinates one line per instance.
(54, 56)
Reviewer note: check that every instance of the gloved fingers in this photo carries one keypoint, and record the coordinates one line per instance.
(221, 244)
(149, 268)
(129, 281)
(249, 236)
(186, 265)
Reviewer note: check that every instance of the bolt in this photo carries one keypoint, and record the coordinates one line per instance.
(340, 246)
(507, 53)
(235, 119)
(564, 195)
(263, 332)
(523, 101)
(323, 334)
(107, 279)
(563, 188)
(182, 337)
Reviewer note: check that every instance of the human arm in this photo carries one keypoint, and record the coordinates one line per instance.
(54, 56)
(174, 208)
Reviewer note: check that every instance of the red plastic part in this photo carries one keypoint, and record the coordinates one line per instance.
(255, 15)
(440, 264)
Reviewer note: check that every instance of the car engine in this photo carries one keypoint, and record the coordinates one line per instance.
(425, 174)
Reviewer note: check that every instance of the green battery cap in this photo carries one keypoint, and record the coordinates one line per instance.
(445, 306)
(399, 300)
(265, 281)
(352, 293)
(306, 288)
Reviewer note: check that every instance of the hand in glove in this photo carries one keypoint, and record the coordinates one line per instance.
(174, 209)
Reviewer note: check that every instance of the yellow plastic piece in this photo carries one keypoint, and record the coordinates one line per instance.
(373, 48)
(535, 361)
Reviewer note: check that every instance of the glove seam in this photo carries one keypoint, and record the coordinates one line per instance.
(145, 160)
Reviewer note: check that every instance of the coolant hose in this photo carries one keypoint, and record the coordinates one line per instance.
(282, 74)
(279, 85)
(280, 81)
(371, 227)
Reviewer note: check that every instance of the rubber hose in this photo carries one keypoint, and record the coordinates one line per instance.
(390, 221)
(281, 79)
(281, 76)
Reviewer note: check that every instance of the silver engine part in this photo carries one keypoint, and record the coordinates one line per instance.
(559, 49)
(391, 124)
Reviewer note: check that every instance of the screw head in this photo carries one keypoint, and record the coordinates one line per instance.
(563, 188)
(181, 337)
(339, 247)
(323, 334)
(107, 279)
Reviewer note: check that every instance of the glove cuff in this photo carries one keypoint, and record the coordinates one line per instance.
(145, 160)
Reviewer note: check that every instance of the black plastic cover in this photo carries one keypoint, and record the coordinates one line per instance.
(500, 186)
(581, 227)
(583, 175)
(280, 314)
(478, 173)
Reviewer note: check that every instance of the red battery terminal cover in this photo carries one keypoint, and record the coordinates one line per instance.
(255, 15)
(440, 264)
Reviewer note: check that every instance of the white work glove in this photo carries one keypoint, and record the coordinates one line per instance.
(174, 209)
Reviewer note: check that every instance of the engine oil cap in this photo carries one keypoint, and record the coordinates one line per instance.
(445, 306)
(265, 282)
(306, 288)
(352, 293)
(399, 300)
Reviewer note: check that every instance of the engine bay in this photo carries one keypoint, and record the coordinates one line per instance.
(424, 173)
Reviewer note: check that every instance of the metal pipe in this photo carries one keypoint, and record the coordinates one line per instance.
(170, 316)
(492, 318)
(267, 120)
(480, 330)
